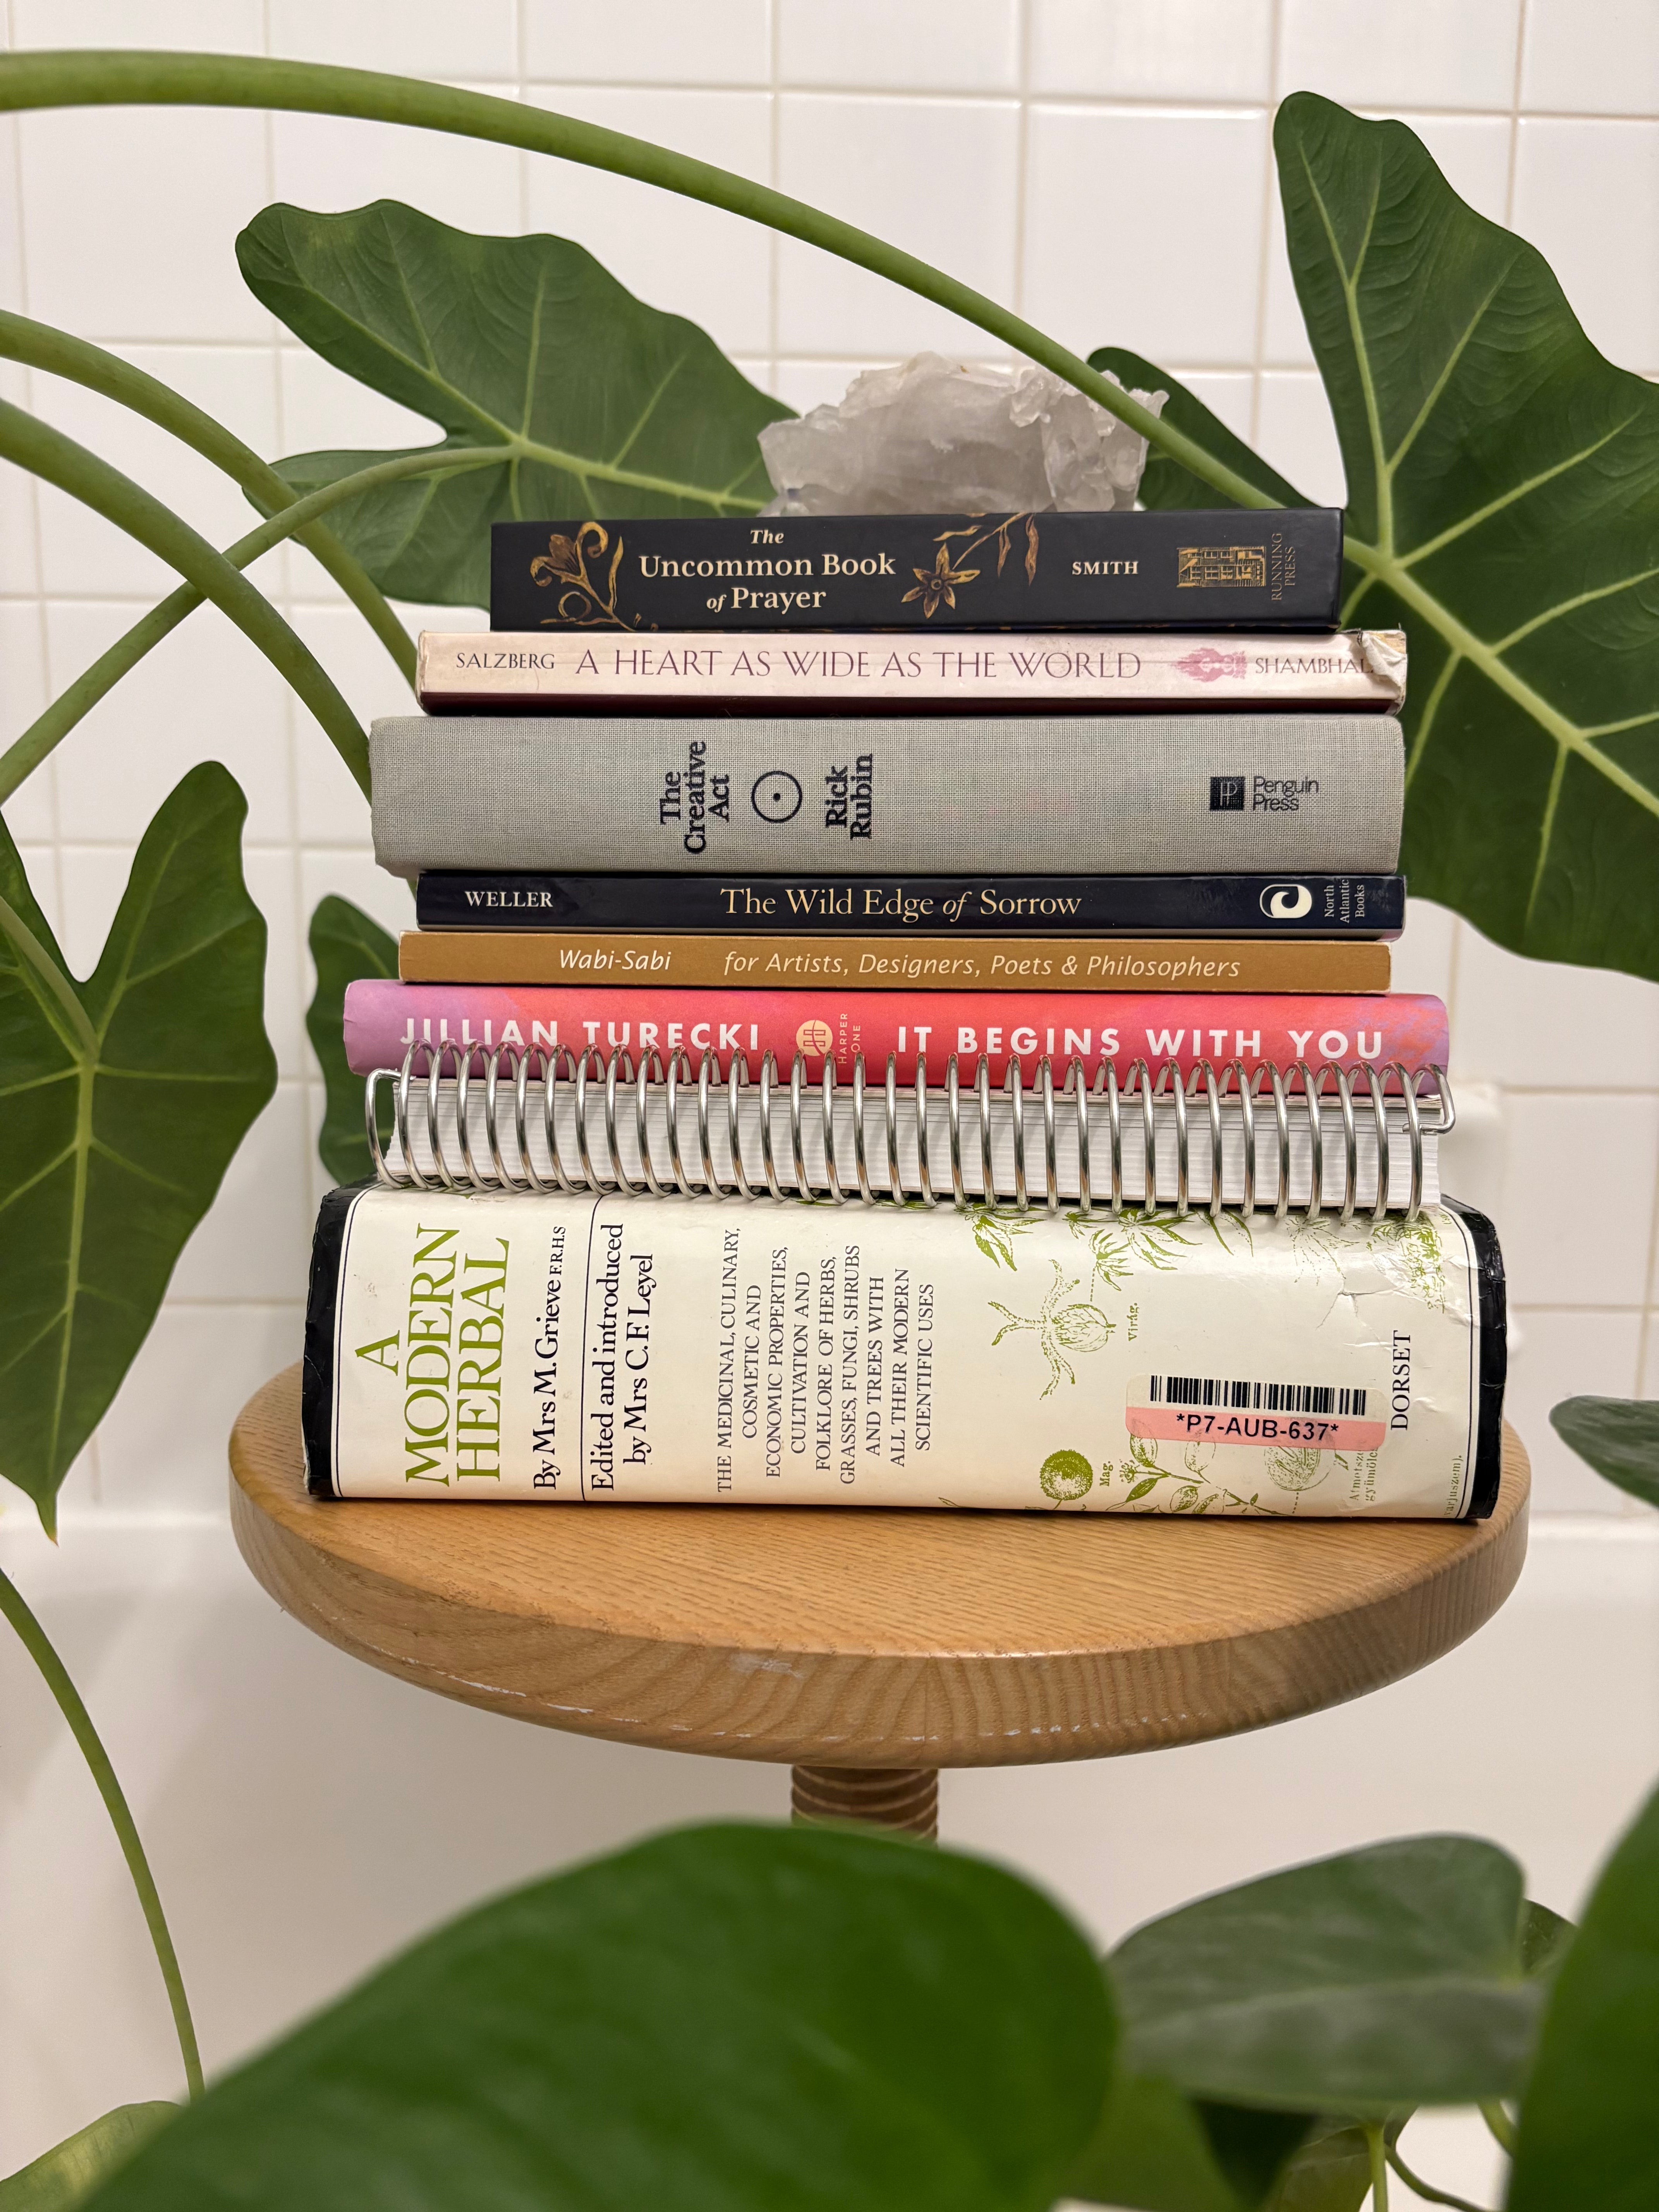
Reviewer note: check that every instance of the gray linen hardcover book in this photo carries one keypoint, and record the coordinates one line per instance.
(1118, 793)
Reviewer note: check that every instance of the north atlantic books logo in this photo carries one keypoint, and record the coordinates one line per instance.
(1226, 794)
(1286, 902)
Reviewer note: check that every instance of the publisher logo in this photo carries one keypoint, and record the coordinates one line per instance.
(815, 1037)
(776, 796)
(1218, 568)
(1205, 666)
(1226, 794)
(1286, 902)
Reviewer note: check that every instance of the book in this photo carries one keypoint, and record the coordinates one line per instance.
(570, 1349)
(992, 906)
(1182, 795)
(384, 1020)
(1278, 570)
(849, 672)
(558, 1123)
(879, 963)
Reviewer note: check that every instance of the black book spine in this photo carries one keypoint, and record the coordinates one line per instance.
(1281, 569)
(317, 1360)
(1494, 1358)
(1355, 906)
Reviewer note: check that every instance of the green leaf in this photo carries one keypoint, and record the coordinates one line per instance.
(1503, 508)
(1504, 505)
(1587, 2136)
(345, 944)
(1156, 2150)
(1378, 1979)
(61, 2179)
(599, 405)
(723, 2019)
(1619, 1436)
(122, 1100)
(1545, 1939)
(1166, 482)
(1332, 2172)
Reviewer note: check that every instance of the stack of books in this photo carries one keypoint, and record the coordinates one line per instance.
(1017, 889)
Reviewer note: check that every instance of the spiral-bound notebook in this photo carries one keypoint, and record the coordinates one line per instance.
(1311, 1138)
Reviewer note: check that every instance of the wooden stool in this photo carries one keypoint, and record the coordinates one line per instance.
(868, 1648)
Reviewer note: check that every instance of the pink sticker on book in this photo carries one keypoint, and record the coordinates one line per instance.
(1242, 1410)
(1216, 1424)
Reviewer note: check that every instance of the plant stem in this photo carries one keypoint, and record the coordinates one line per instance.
(58, 999)
(43, 347)
(37, 1644)
(119, 79)
(1427, 2189)
(1377, 2149)
(26, 753)
(1501, 2125)
(36, 447)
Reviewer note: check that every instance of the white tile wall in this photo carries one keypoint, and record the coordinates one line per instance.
(1104, 167)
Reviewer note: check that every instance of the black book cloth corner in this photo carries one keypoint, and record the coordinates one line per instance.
(1278, 569)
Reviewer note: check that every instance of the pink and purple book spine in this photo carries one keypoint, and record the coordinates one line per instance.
(383, 1020)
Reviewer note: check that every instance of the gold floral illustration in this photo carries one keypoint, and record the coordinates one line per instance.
(936, 587)
(582, 601)
(937, 583)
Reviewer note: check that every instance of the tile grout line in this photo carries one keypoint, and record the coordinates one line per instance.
(1022, 150)
(1514, 114)
(49, 768)
(1263, 269)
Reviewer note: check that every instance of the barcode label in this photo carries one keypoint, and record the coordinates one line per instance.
(1253, 1397)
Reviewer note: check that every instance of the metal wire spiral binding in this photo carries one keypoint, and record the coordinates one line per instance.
(1200, 1106)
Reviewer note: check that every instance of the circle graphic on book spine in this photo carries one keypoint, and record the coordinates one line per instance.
(776, 796)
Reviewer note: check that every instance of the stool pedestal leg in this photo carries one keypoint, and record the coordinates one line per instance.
(904, 1797)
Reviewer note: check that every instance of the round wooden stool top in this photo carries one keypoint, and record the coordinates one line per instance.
(866, 1637)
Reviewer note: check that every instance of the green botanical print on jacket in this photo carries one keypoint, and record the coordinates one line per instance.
(1063, 1325)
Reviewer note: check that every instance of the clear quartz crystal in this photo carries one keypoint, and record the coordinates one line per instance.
(932, 436)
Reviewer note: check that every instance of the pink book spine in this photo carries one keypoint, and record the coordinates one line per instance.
(383, 1018)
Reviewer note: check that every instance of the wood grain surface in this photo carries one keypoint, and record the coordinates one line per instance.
(866, 1637)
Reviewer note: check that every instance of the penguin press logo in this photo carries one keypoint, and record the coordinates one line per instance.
(1286, 902)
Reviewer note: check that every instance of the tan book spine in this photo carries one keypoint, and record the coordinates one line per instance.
(854, 671)
(876, 964)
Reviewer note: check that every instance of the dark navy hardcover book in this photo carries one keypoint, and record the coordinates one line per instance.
(988, 905)
(1268, 569)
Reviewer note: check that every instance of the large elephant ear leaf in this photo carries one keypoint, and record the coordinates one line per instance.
(122, 1100)
(1504, 508)
(598, 404)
